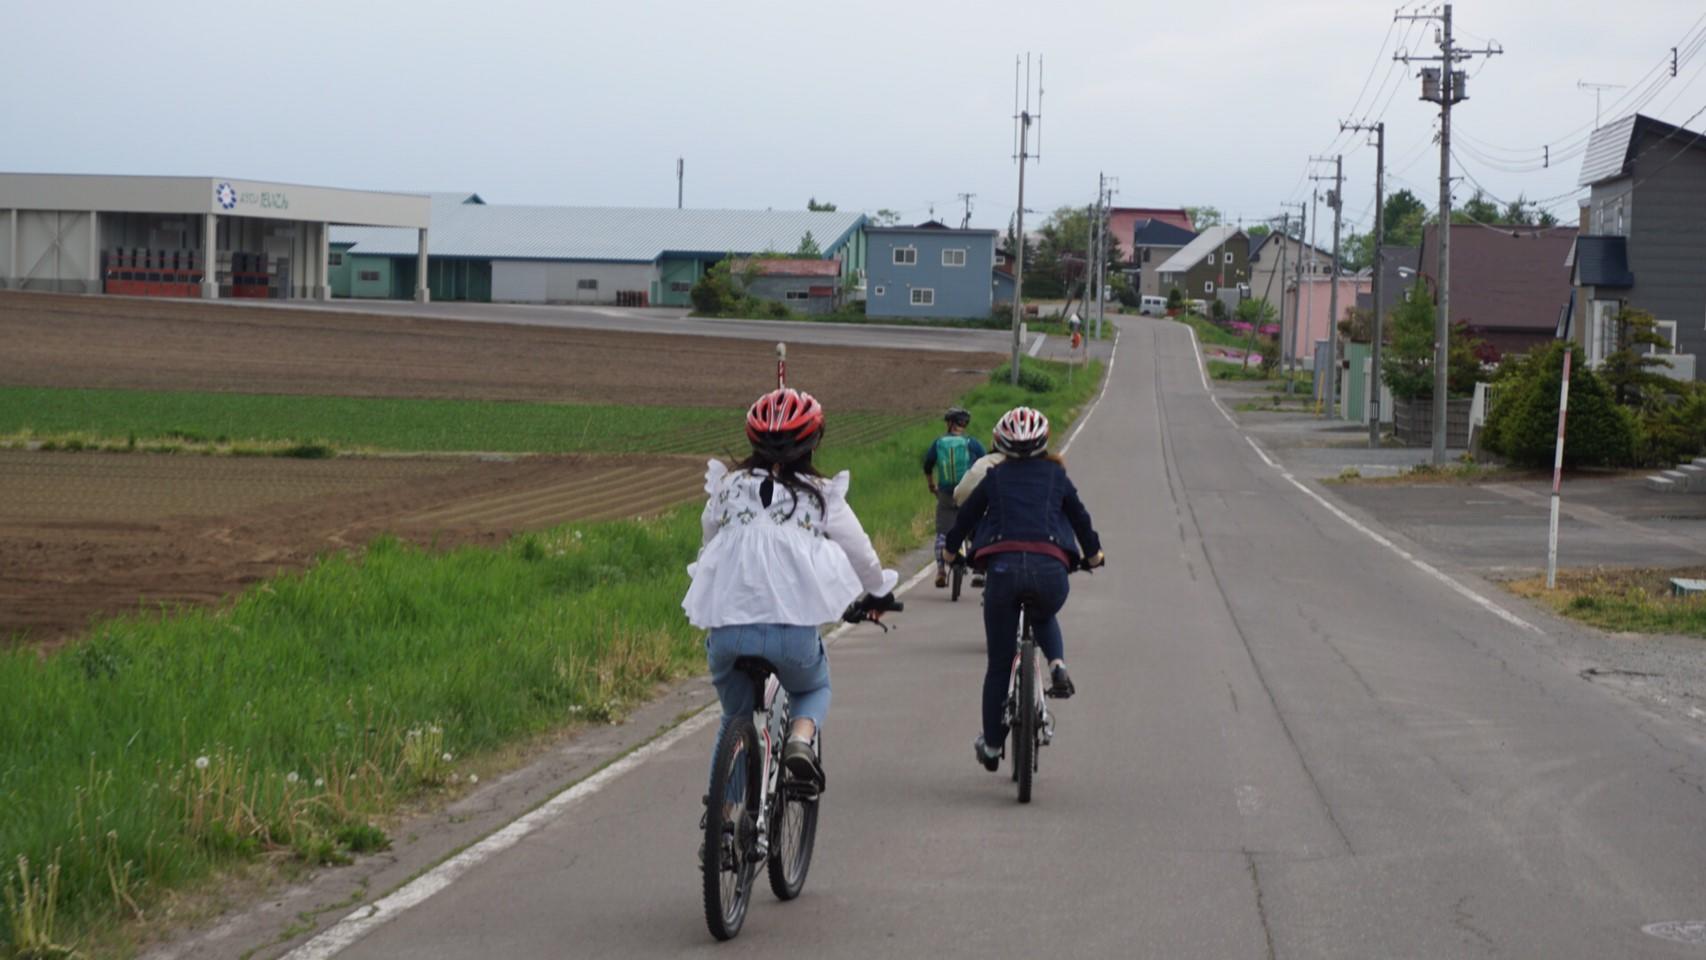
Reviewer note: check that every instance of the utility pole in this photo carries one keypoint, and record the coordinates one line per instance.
(1297, 306)
(1314, 247)
(1092, 253)
(680, 177)
(1022, 120)
(1444, 85)
(966, 199)
(1335, 200)
(1109, 187)
(1378, 319)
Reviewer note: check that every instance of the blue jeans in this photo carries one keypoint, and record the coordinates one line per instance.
(795, 652)
(1041, 580)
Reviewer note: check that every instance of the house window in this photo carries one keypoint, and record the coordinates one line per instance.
(880, 290)
(923, 297)
(680, 286)
(369, 276)
(1229, 256)
(1211, 259)
(1208, 286)
(905, 256)
(797, 295)
(1602, 331)
(1666, 329)
(954, 258)
(335, 260)
(1145, 254)
(590, 283)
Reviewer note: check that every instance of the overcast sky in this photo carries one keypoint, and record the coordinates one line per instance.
(868, 104)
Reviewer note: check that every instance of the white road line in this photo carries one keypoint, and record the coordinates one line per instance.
(1422, 565)
(1107, 378)
(1037, 344)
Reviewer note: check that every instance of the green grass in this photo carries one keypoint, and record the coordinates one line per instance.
(164, 747)
(1225, 370)
(1208, 332)
(262, 424)
(1634, 601)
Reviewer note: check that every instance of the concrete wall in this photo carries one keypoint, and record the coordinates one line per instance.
(959, 291)
(559, 281)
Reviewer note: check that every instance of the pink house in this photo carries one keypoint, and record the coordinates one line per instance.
(1312, 303)
(1123, 221)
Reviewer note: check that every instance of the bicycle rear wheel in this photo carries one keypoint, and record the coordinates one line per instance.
(1025, 732)
(791, 847)
(730, 816)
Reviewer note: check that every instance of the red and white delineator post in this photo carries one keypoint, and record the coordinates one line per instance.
(1558, 476)
(781, 365)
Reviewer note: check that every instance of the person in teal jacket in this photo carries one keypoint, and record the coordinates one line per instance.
(945, 463)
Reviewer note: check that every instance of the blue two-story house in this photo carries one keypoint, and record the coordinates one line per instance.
(930, 271)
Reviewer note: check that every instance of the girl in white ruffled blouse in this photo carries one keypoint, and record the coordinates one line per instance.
(782, 555)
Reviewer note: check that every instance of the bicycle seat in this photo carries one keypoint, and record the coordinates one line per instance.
(757, 668)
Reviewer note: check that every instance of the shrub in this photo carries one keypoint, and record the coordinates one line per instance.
(1672, 429)
(1217, 310)
(1175, 299)
(1523, 424)
(1033, 379)
(714, 292)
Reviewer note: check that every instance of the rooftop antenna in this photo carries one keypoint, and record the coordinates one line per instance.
(1598, 89)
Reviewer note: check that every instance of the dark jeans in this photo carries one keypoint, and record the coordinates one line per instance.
(1041, 581)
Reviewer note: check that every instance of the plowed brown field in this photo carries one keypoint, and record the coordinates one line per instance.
(91, 534)
(68, 341)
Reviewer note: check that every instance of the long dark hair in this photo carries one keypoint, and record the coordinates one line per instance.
(796, 475)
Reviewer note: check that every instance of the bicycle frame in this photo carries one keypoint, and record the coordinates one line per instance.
(770, 719)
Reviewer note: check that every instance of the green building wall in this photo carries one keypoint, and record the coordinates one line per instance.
(671, 272)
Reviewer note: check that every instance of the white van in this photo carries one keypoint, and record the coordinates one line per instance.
(1152, 306)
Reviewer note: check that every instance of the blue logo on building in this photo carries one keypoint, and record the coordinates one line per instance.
(226, 196)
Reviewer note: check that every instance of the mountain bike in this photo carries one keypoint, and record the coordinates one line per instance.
(756, 813)
(1030, 722)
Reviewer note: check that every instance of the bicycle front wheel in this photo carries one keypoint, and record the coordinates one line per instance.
(731, 817)
(791, 849)
(1025, 723)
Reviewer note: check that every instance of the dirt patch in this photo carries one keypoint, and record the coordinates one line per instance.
(71, 341)
(89, 534)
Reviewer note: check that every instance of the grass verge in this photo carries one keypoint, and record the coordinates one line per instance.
(1427, 473)
(298, 426)
(1210, 333)
(164, 748)
(1635, 601)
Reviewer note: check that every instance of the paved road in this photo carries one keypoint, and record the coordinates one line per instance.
(666, 321)
(1290, 741)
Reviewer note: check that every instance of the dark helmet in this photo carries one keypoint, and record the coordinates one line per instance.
(784, 425)
(958, 416)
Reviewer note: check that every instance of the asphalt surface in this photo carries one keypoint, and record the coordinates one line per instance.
(669, 321)
(1289, 741)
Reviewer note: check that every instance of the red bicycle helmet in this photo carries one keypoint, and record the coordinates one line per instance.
(784, 424)
(1022, 432)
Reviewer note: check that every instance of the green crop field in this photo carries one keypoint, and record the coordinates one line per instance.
(159, 749)
(259, 423)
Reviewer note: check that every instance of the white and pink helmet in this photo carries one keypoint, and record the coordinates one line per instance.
(1022, 432)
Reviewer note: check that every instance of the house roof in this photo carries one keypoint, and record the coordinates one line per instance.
(1174, 216)
(1197, 249)
(1152, 232)
(1612, 148)
(789, 267)
(1505, 281)
(465, 226)
(1260, 243)
(1603, 262)
(933, 227)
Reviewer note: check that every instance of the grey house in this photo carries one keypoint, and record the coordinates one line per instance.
(1643, 238)
(1152, 242)
(929, 271)
(804, 284)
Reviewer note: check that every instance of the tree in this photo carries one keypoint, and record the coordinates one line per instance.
(1356, 251)
(808, 247)
(816, 207)
(1404, 214)
(885, 217)
(1628, 370)
(1203, 216)
(1479, 209)
(1258, 231)
(1407, 365)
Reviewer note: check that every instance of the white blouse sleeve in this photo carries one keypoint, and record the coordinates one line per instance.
(715, 471)
(846, 532)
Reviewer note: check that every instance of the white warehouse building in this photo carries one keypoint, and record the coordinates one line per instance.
(201, 237)
(483, 251)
